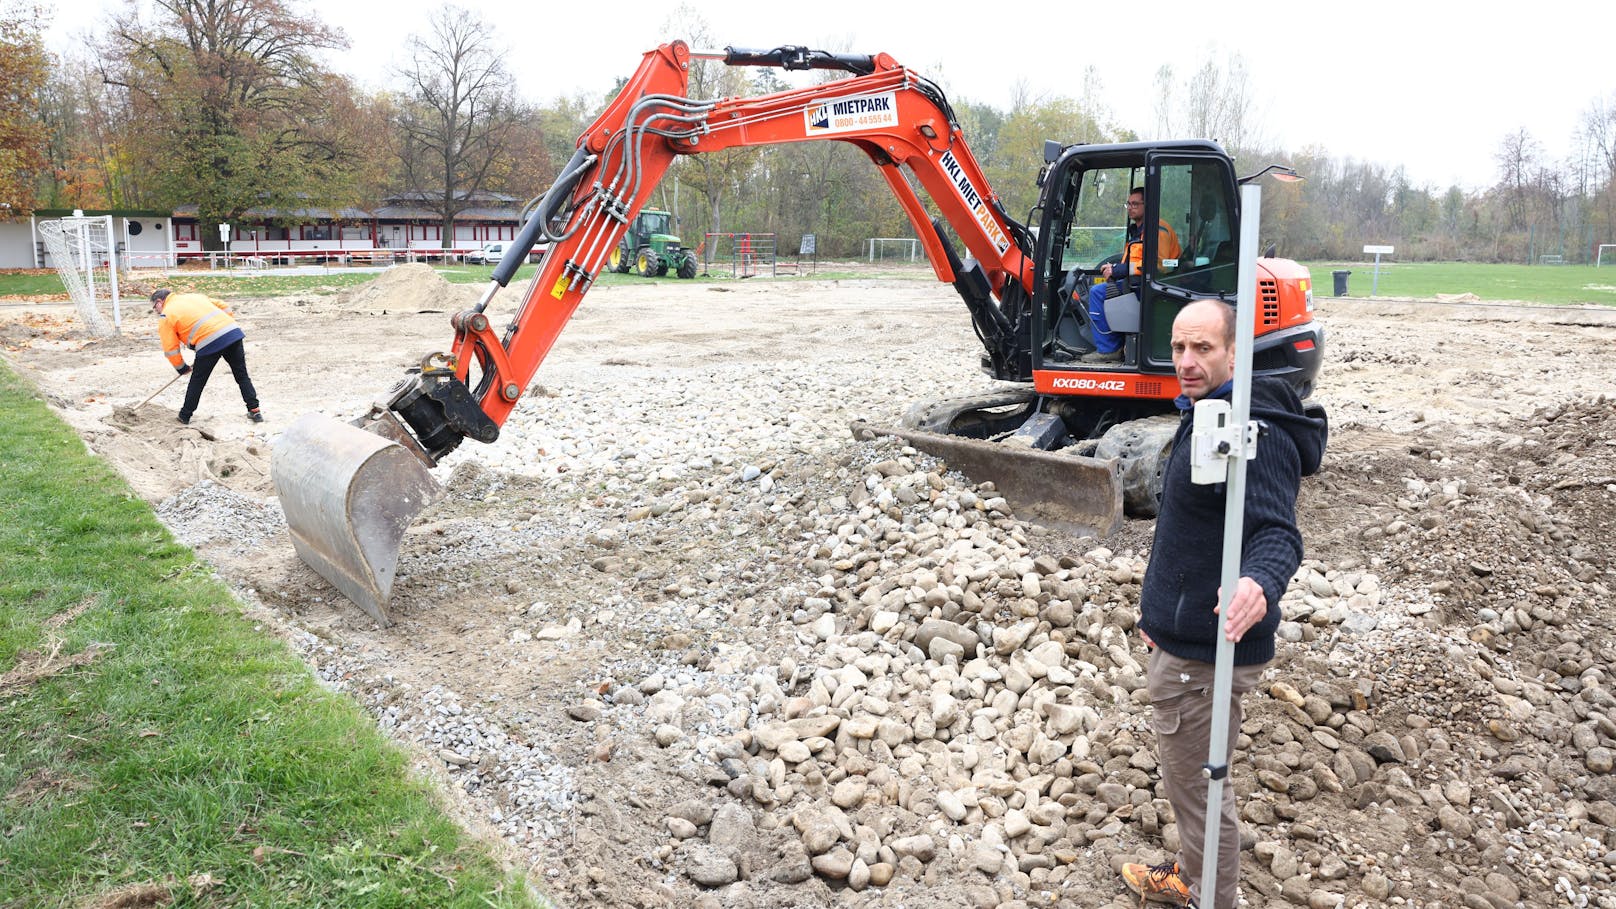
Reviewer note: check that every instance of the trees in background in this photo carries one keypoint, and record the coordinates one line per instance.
(221, 103)
(226, 108)
(458, 115)
(1215, 101)
(24, 68)
(87, 158)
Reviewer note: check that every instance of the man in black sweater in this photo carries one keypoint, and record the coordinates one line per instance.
(1179, 600)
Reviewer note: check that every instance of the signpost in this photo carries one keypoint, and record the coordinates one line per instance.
(1378, 251)
(224, 237)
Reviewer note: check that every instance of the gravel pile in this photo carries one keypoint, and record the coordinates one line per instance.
(210, 514)
(833, 673)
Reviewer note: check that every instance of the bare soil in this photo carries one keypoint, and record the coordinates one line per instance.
(1471, 469)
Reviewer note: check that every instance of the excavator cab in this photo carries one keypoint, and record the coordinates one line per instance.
(1184, 231)
(1188, 235)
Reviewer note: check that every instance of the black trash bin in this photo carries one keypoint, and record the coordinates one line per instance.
(1341, 282)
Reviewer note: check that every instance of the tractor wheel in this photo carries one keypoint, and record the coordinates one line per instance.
(687, 267)
(618, 261)
(647, 263)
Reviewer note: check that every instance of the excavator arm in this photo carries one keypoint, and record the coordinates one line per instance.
(897, 118)
(348, 495)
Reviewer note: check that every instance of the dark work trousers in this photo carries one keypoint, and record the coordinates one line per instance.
(1181, 708)
(233, 354)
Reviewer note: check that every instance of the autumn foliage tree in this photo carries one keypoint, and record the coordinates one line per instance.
(229, 109)
(23, 70)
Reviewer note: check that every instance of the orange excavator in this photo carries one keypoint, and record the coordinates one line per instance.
(1068, 440)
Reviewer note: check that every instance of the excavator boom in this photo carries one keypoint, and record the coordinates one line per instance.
(348, 499)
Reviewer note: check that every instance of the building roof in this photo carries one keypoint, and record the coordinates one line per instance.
(412, 213)
(319, 214)
(418, 196)
(98, 212)
(406, 206)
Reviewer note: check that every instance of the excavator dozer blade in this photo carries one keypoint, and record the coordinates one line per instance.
(1071, 492)
(348, 496)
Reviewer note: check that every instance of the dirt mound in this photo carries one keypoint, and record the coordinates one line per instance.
(160, 457)
(414, 287)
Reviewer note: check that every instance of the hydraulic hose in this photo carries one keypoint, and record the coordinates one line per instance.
(538, 223)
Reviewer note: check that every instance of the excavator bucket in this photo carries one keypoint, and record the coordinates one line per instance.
(348, 496)
(1071, 492)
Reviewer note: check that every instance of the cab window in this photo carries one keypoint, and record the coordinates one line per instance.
(1099, 218)
(1197, 203)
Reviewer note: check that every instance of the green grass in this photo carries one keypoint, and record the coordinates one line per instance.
(191, 743)
(232, 286)
(23, 285)
(1559, 284)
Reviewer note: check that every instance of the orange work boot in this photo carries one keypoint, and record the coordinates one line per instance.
(1157, 883)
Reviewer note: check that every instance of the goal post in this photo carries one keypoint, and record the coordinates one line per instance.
(85, 255)
(1599, 257)
(908, 247)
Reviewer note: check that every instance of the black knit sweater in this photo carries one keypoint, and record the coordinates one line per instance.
(1186, 560)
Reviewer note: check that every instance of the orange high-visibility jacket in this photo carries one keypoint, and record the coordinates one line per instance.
(1166, 248)
(191, 319)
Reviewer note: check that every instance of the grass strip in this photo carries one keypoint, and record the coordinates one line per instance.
(1553, 284)
(155, 747)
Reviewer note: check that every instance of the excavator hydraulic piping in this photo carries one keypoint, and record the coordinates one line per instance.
(796, 57)
(538, 223)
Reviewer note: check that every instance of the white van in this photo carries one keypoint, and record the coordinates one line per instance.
(493, 253)
(490, 254)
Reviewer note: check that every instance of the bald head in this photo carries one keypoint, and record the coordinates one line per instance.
(1203, 347)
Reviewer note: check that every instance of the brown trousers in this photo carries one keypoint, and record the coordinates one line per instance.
(1181, 701)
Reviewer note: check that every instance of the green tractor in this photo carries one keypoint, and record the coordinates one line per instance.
(651, 250)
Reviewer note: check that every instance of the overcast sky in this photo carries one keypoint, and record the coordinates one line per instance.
(1433, 86)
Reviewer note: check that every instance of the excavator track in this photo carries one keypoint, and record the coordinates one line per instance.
(978, 416)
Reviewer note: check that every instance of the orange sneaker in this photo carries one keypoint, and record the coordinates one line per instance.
(1157, 883)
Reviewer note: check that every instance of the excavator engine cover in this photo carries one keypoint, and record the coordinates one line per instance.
(348, 496)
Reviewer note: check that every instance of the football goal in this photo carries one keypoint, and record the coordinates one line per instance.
(1599, 259)
(884, 248)
(84, 254)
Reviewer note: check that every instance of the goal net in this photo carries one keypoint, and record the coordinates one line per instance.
(82, 251)
(886, 249)
(1599, 258)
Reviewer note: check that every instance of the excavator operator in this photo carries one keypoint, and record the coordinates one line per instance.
(1107, 346)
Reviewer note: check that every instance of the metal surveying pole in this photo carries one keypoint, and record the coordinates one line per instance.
(1237, 445)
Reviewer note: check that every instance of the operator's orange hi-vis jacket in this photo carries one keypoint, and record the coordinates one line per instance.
(1166, 248)
(191, 319)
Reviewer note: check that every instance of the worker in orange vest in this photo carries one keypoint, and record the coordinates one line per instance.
(205, 325)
